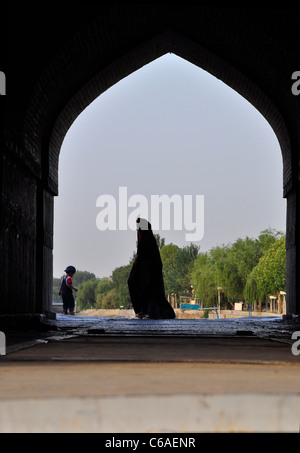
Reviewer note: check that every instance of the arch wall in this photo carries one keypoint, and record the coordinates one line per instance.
(86, 56)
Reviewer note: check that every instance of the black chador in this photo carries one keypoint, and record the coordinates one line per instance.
(145, 283)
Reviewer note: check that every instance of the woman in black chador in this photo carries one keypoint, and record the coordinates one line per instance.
(145, 283)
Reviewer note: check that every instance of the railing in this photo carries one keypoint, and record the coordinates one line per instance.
(187, 306)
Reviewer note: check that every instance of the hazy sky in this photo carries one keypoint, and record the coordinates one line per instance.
(169, 128)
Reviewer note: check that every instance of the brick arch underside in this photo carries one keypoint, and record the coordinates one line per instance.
(167, 42)
(86, 68)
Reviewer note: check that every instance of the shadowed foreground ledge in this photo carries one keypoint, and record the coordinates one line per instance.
(133, 376)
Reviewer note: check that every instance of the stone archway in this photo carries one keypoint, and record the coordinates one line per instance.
(235, 45)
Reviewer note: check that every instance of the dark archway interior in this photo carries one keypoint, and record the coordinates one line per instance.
(59, 60)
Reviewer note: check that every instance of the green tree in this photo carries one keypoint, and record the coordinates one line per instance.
(230, 267)
(270, 272)
(268, 237)
(224, 269)
(86, 296)
(82, 276)
(167, 254)
(120, 277)
(251, 291)
(241, 257)
(159, 241)
(104, 287)
(204, 279)
(107, 300)
(177, 267)
(184, 261)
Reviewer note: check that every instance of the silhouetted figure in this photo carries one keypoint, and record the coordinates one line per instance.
(66, 290)
(145, 283)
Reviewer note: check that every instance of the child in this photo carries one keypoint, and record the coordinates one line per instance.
(66, 290)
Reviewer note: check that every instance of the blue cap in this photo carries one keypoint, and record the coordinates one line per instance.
(70, 269)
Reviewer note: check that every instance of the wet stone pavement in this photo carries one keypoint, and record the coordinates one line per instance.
(88, 328)
(263, 327)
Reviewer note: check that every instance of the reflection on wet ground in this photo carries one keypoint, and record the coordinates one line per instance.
(262, 327)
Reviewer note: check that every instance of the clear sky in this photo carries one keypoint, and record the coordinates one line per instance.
(168, 128)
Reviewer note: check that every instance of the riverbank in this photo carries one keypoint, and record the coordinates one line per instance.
(186, 314)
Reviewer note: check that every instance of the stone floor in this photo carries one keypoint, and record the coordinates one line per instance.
(119, 375)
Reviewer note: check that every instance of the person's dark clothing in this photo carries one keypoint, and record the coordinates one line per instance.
(67, 295)
(145, 283)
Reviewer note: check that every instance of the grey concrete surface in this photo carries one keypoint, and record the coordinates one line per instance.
(133, 376)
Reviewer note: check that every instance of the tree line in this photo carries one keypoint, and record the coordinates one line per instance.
(248, 269)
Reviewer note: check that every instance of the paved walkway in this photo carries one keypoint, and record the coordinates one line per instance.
(128, 376)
